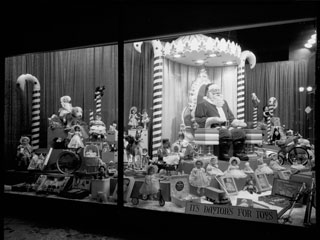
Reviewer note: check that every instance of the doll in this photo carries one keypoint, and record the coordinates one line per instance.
(276, 135)
(133, 118)
(233, 169)
(266, 114)
(145, 118)
(24, 152)
(162, 152)
(76, 139)
(198, 177)
(263, 168)
(151, 184)
(250, 187)
(66, 107)
(97, 127)
(275, 164)
(186, 150)
(113, 127)
(247, 169)
(213, 169)
(145, 158)
(112, 170)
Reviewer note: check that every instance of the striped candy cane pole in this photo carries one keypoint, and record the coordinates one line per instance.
(97, 97)
(240, 81)
(272, 105)
(35, 120)
(157, 96)
(255, 102)
(90, 116)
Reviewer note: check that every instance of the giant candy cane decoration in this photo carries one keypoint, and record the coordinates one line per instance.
(157, 93)
(157, 96)
(35, 123)
(240, 81)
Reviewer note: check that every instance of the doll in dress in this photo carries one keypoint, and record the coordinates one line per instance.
(198, 177)
(66, 107)
(213, 169)
(250, 187)
(233, 169)
(97, 127)
(133, 118)
(145, 118)
(151, 184)
(247, 169)
(24, 152)
(76, 139)
(145, 158)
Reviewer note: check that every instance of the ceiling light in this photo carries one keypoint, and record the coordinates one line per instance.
(229, 63)
(301, 89)
(309, 89)
(177, 55)
(312, 41)
(212, 55)
(200, 61)
(308, 45)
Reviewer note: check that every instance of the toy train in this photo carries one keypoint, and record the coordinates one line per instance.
(216, 196)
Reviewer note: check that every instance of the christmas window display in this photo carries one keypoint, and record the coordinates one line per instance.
(225, 158)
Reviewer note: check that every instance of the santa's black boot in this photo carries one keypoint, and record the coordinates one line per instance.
(224, 147)
(238, 150)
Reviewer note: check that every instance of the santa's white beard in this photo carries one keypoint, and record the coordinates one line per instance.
(217, 100)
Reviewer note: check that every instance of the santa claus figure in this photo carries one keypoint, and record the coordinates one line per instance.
(214, 112)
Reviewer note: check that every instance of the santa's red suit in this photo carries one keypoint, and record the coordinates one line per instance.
(204, 112)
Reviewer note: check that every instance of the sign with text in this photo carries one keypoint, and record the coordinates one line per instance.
(234, 212)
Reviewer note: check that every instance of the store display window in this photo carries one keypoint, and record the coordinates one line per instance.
(215, 126)
(61, 111)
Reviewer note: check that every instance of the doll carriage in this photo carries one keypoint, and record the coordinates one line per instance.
(290, 151)
(153, 197)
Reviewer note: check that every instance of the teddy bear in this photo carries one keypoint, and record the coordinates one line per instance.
(74, 117)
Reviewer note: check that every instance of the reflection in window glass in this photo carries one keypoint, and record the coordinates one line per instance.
(221, 121)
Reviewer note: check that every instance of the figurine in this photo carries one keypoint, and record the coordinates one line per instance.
(145, 158)
(97, 128)
(133, 118)
(151, 184)
(247, 169)
(113, 127)
(76, 139)
(112, 170)
(186, 150)
(162, 152)
(213, 168)
(263, 168)
(145, 118)
(198, 177)
(275, 164)
(250, 187)
(66, 107)
(266, 114)
(233, 169)
(24, 152)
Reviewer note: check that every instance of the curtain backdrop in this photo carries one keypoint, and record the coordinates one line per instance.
(73, 72)
(177, 80)
(282, 81)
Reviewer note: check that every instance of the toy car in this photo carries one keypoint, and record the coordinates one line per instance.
(156, 197)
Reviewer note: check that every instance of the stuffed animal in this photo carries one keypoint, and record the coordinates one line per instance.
(74, 117)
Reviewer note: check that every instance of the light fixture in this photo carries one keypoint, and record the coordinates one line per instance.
(309, 89)
(200, 61)
(301, 89)
(308, 45)
(311, 41)
(314, 36)
(212, 55)
(177, 55)
(229, 63)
